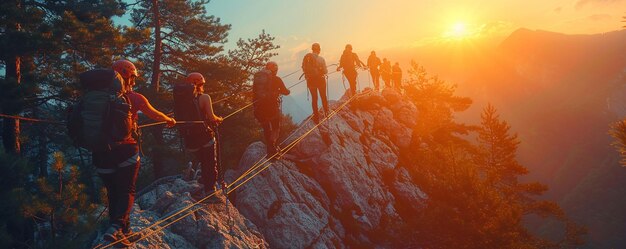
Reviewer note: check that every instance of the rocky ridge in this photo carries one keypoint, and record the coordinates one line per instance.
(342, 186)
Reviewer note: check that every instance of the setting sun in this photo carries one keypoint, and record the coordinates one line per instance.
(458, 30)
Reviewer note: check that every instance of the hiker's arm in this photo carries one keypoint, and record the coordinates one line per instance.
(325, 68)
(152, 113)
(281, 87)
(358, 61)
(207, 105)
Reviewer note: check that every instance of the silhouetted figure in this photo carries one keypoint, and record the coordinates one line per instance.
(385, 72)
(192, 104)
(349, 61)
(373, 63)
(314, 68)
(397, 76)
(267, 88)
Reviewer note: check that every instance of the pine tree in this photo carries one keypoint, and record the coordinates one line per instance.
(59, 207)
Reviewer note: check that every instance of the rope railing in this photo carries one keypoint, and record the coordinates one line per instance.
(243, 176)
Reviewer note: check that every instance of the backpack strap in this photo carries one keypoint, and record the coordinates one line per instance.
(201, 114)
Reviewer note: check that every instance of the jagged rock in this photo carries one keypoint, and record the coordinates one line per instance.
(218, 225)
(345, 192)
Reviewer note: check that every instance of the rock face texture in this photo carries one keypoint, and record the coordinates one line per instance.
(341, 186)
(215, 225)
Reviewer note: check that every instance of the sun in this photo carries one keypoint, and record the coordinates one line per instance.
(458, 30)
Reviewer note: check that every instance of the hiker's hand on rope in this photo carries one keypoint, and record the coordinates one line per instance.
(170, 123)
(218, 120)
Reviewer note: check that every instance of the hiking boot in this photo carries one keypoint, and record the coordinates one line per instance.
(133, 236)
(115, 235)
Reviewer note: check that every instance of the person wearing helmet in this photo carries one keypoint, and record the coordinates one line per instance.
(203, 145)
(119, 179)
(267, 88)
(314, 68)
(349, 61)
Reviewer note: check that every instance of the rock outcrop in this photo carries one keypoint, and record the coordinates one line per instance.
(215, 225)
(342, 185)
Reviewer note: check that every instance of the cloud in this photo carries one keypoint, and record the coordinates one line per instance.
(582, 3)
(558, 10)
(599, 17)
(494, 27)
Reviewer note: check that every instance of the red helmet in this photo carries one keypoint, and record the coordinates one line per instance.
(195, 78)
(125, 68)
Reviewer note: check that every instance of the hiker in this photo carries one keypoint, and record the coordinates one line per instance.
(191, 104)
(349, 61)
(118, 166)
(314, 68)
(267, 87)
(397, 76)
(385, 71)
(373, 63)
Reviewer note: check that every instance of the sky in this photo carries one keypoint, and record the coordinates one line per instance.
(376, 25)
(398, 24)
(395, 25)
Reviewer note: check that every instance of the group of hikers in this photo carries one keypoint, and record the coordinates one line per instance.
(315, 71)
(110, 98)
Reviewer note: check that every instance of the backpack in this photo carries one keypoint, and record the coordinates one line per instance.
(310, 67)
(265, 100)
(187, 108)
(102, 117)
(347, 61)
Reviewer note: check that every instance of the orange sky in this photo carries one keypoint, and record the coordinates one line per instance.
(399, 23)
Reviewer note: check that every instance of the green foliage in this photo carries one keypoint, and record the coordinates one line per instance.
(62, 212)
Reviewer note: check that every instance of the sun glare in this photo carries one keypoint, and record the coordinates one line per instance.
(458, 30)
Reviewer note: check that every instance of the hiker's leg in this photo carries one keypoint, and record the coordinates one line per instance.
(275, 123)
(313, 90)
(206, 155)
(322, 88)
(112, 193)
(351, 76)
(267, 134)
(127, 179)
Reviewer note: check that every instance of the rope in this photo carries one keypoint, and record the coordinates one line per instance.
(31, 119)
(369, 73)
(292, 73)
(163, 122)
(253, 168)
(290, 146)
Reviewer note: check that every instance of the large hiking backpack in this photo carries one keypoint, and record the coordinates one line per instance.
(347, 61)
(102, 117)
(310, 67)
(265, 100)
(186, 108)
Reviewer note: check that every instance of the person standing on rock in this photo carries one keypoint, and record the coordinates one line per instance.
(314, 68)
(192, 104)
(397, 76)
(385, 71)
(118, 167)
(373, 62)
(267, 88)
(349, 62)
